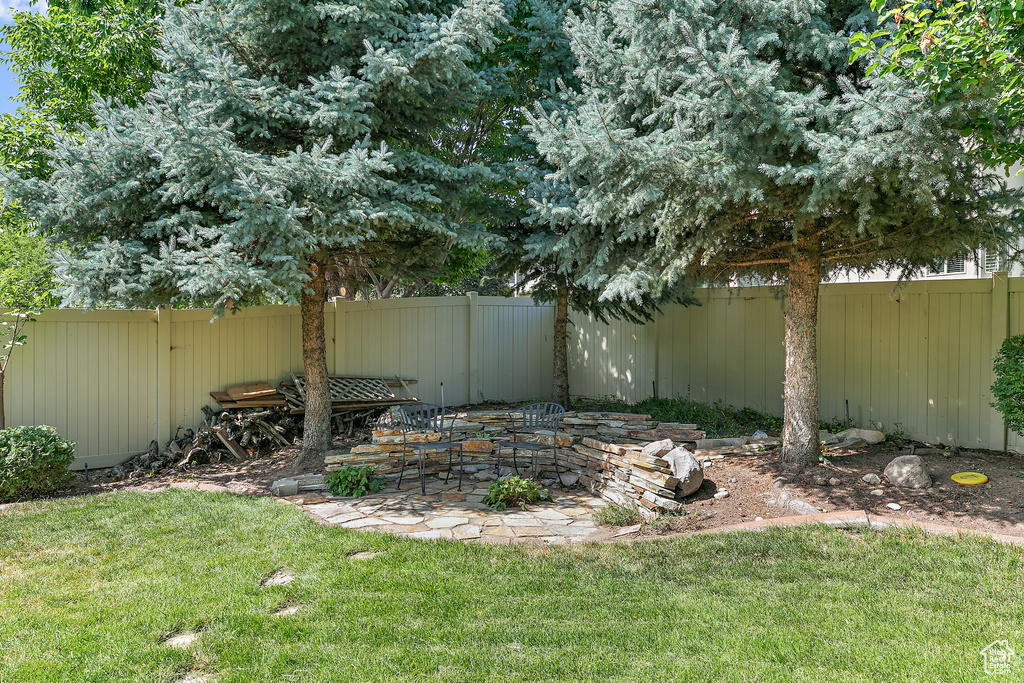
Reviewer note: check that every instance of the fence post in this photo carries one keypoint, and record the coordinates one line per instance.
(475, 343)
(164, 397)
(339, 333)
(1000, 331)
(330, 335)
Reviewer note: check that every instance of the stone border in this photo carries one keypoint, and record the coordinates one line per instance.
(857, 519)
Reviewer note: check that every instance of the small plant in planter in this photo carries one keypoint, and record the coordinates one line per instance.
(354, 481)
(514, 491)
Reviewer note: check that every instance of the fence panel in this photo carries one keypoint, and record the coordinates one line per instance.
(91, 376)
(114, 380)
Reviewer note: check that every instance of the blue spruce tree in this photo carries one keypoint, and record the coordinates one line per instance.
(711, 140)
(277, 134)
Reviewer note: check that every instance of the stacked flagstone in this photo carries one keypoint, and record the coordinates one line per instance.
(604, 449)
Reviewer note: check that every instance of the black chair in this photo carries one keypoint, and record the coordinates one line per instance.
(536, 416)
(430, 419)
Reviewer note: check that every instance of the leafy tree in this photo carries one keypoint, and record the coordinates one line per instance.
(710, 141)
(77, 51)
(25, 287)
(956, 50)
(277, 134)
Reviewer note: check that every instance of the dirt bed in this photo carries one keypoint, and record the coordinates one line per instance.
(997, 506)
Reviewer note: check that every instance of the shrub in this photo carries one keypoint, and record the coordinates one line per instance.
(1008, 389)
(514, 491)
(355, 481)
(33, 461)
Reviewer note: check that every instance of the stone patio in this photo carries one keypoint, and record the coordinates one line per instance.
(446, 513)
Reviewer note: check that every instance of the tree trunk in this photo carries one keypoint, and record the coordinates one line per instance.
(560, 384)
(3, 418)
(800, 443)
(316, 430)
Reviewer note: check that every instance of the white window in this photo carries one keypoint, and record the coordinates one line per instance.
(995, 260)
(953, 265)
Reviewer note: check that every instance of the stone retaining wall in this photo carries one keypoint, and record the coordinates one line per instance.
(604, 450)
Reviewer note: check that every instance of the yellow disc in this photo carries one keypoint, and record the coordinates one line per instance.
(969, 478)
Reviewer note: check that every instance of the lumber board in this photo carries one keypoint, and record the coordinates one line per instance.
(251, 390)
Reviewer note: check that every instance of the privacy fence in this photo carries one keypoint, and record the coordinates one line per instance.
(114, 380)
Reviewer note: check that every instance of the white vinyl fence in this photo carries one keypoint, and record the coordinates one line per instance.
(114, 380)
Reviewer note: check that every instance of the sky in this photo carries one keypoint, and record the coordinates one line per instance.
(8, 84)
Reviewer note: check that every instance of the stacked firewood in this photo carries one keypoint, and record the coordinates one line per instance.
(226, 435)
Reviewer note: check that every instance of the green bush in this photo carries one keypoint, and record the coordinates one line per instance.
(33, 461)
(514, 491)
(354, 481)
(1008, 389)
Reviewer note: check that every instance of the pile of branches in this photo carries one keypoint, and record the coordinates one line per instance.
(233, 435)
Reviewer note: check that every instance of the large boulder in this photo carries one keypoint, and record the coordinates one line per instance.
(686, 469)
(659, 449)
(871, 436)
(908, 471)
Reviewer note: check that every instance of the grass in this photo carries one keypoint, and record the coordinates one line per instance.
(617, 515)
(717, 419)
(90, 586)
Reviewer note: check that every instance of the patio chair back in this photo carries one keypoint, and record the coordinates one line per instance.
(425, 417)
(542, 416)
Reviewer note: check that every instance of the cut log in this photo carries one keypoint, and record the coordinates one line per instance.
(236, 451)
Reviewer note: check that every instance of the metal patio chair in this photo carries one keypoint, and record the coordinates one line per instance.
(428, 418)
(546, 416)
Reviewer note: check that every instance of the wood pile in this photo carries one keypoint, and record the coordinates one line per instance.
(234, 435)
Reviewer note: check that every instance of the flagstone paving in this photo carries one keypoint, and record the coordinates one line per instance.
(446, 513)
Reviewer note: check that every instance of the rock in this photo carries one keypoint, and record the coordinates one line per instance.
(908, 471)
(720, 443)
(850, 443)
(505, 473)
(686, 469)
(759, 435)
(707, 463)
(827, 439)
(733, 480)
(658, 449)
(722, 493)
(569, 478)
(625, 531)
(871, 478)
(118, 472)
(835, 481)
(878, 492)
(802, 507)
(820, 481)
(758, 519)
(285, 487)
(485, 475)
(871, 436)
(894, 506)
(545, 482)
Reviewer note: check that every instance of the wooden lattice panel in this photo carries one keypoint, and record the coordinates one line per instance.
(347, 393)
(352, 389)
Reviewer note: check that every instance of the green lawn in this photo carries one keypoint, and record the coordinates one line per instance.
(90, 586)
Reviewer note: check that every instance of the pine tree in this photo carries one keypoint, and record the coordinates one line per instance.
(276, 135)
(710, 140)
(541, 212)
